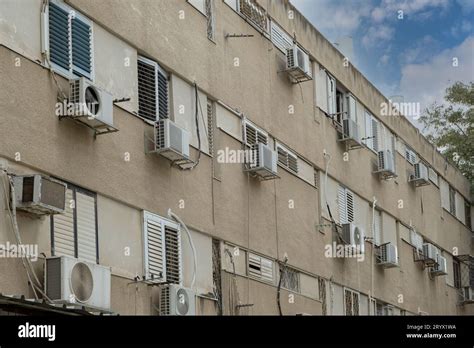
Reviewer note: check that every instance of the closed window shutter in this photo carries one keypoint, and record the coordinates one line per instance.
(63, 229)
(81, 47)
(287, 160)
(86, 227)
(260, 267)
(147, 92)
(154, 248)
(377, 228)
(341, 202)
(173, 255)
(368, 131)
(375, 135)
(280, 38)
(163, 94)
(350, 206)
(444, 192)
(254, 136)
(59, 43)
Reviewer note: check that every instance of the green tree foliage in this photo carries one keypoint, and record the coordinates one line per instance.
(450, 127)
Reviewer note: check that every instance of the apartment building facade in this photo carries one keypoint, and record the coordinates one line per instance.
(344, 211)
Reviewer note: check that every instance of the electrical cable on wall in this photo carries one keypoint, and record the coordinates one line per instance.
(197, 107)
(372, 269)
(282, 272)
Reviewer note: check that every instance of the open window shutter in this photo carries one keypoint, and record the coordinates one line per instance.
(350, 206)
(321, 90)
(173, 254)
(154, 247)
(341, 202)
(280, 38)
(293, 162)
(368, 131)
(59, 43)
(444, 192)
(163, 94)
(63, 229)
(331, 93)
(81, 47)
(147, 91)
(377, 228)
(351, 108)
(86, 227)
(375, 135)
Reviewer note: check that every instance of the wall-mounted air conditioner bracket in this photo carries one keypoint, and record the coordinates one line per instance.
(98, 130)
(385, 175)
(261, 177)
(419, 257)
(183, 163)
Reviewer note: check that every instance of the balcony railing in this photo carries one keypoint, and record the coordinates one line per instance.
(254, 13)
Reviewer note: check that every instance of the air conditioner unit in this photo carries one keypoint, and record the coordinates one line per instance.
(388, 256)
(70, 280)
(350, 131)
(416, 240)
(420, 176)
(354, 236)
(386, 163)
(90, 105)
(430, 252)
(439, 268)
(39, 195)
(176, 300)
(263, 161)
(298, 64)
(467, 295)
(171, 141)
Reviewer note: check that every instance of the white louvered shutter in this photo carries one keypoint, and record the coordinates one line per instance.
(287, 159)
(153, 90)
(350, 206)
(254, 136)
(341, 202)
(154, 238)
(331, 94)
(260, 267)
(81, 47)
(321, 90)
(59, 39)
(377, 228)
(280, 38)
(368, 131)
(375, 134)
(86, 227)
(63, 229)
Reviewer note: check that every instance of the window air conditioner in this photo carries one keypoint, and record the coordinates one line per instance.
(354, 236)
(176, 300)
(386, 165)
(388, 256)
(90, 105)
(263, 161)
(439, 267)
(39, 195)
(430, 252)
(298, 64)
(171, 141)
(420, 176)
(70, 280)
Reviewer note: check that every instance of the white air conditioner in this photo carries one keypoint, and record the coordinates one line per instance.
(388, 256)
(386, 164)
(297, 63)
(176, 300)
(430, 252)
(416, 240)
(39, 195)
(467, 295)
(90, 105)
(439, 268)
(70, 280)
(420, 176)
(354, 236)
(263, 161)
(171, 141)
(350, 131)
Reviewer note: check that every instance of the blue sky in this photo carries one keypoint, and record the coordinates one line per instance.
(411, 56)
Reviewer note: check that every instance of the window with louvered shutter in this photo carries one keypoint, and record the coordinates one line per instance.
(260, 268)
(286, 159)
(155, 268)
(410, 155)
(153, 90)
(173, 255)
(280, 38)
(350, 206)
(377, 227)
(375, 135)
(70, 40)
(253, 135)
(74, 233)
(345, 201)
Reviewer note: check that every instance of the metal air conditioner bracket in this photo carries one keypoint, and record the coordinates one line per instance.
(261, 177)
(386, 175)
(98, 130)
(183, 163)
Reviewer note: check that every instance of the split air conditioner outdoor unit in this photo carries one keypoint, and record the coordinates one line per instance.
(388, 256)
(171, 141)
(39, 195)
(263, 161)
(420, 176)
(430, 253)
(176, 300)
(70, 280)
(350, 133)
(386, 164)
(90, 105)
(467, 295)
(439, 268)
(298, 64)
(354, 236)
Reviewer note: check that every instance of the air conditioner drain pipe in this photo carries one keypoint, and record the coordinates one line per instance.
(177, 218)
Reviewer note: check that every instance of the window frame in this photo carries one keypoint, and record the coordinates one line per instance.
(352, 293)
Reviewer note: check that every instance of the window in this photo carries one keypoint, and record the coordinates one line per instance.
(280, 38)
(452, 200)
(290, 279)
(346, 205)
(339, 108)
(351, 302)
(322, 296)
(153, 90)
(410, 155)
(163, 261)
(211, 21)
(260, 268)
(254, 135)
(210, 125)
(351, 108)
(200, 5)
(70, 41)
(74, 233)
(254, 13)
(378, 227)
(467, 214)
(433, 176)
(286, 159)
(331, 94)
(457, 273)
(371, 132)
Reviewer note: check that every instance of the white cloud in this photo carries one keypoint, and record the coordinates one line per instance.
(421, 50)
(466, 5)
(388, 9)
(426, 82)
(384, 59)
(377, 35)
